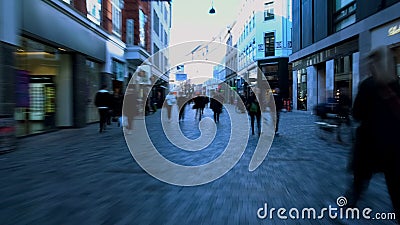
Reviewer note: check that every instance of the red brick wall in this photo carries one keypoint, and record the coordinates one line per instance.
(80, 5)
(131, 11)
(106, 9)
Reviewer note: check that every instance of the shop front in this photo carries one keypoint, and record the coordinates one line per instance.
(43, 88)
(389, 35)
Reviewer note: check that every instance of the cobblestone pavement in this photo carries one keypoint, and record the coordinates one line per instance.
(78, 176)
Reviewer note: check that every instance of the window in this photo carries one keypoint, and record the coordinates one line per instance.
(268, 10)
(343, 76)
(165, 14)
(345, 14)
(156, 57)
(269, 44)
(116, 17)
(302, 89)
(165, 39)
(93, 8)
(129, 31)
(142, 32)
(156, 23)
(67, 1)
(118, 70)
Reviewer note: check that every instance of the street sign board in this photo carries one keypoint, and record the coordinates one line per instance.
(180, 76)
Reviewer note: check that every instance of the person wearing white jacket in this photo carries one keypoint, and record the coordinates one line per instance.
(170, 100)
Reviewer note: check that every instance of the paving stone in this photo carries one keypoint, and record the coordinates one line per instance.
(78, 176)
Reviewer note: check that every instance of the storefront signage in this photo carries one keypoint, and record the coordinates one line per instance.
(181, 76)
(394, 30)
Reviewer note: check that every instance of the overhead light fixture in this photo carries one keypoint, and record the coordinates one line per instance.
(212, 10)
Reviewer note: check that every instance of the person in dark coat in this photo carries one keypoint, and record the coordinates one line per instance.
(253, 107)
(279, 105)
(216, 104)
(182, 102)
(377, 148)
(118, 99)
(199, 105)
(103, 101)
(130, 109)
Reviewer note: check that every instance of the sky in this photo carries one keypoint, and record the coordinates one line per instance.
(192, 22)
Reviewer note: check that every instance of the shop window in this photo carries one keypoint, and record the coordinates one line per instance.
(397, 60)
(343, 77)
(93, 85)
(302, 89)
(118, 70)
(38, 67)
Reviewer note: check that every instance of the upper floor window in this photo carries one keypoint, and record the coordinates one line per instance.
(142, 32)
(156, 23)
(269, 10)
(129, 31)
(93, 8)
(165, 14)
(345, 13)
(116, 16)
(165, 39)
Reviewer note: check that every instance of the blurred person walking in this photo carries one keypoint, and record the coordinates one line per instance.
(182, 102)
(377, 109)
(253, 107)
(130, 109)
(278, 105)
(170, 100)
(103, 101)
(117, 101)
(216, 104)
(199, 104)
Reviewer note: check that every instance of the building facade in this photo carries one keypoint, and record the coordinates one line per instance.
(263, 39)
(330, 42)
(55, 54)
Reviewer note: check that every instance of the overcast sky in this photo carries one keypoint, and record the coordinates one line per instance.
(191, 22)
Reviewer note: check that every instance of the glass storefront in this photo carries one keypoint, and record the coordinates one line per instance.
(38, 82)
(343, 78)
(302, 89)
(93, 85)
(397, 60)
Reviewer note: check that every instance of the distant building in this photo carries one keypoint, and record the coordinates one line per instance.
(262, 35)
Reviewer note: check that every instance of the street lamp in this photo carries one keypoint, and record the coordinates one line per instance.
(212, 10)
